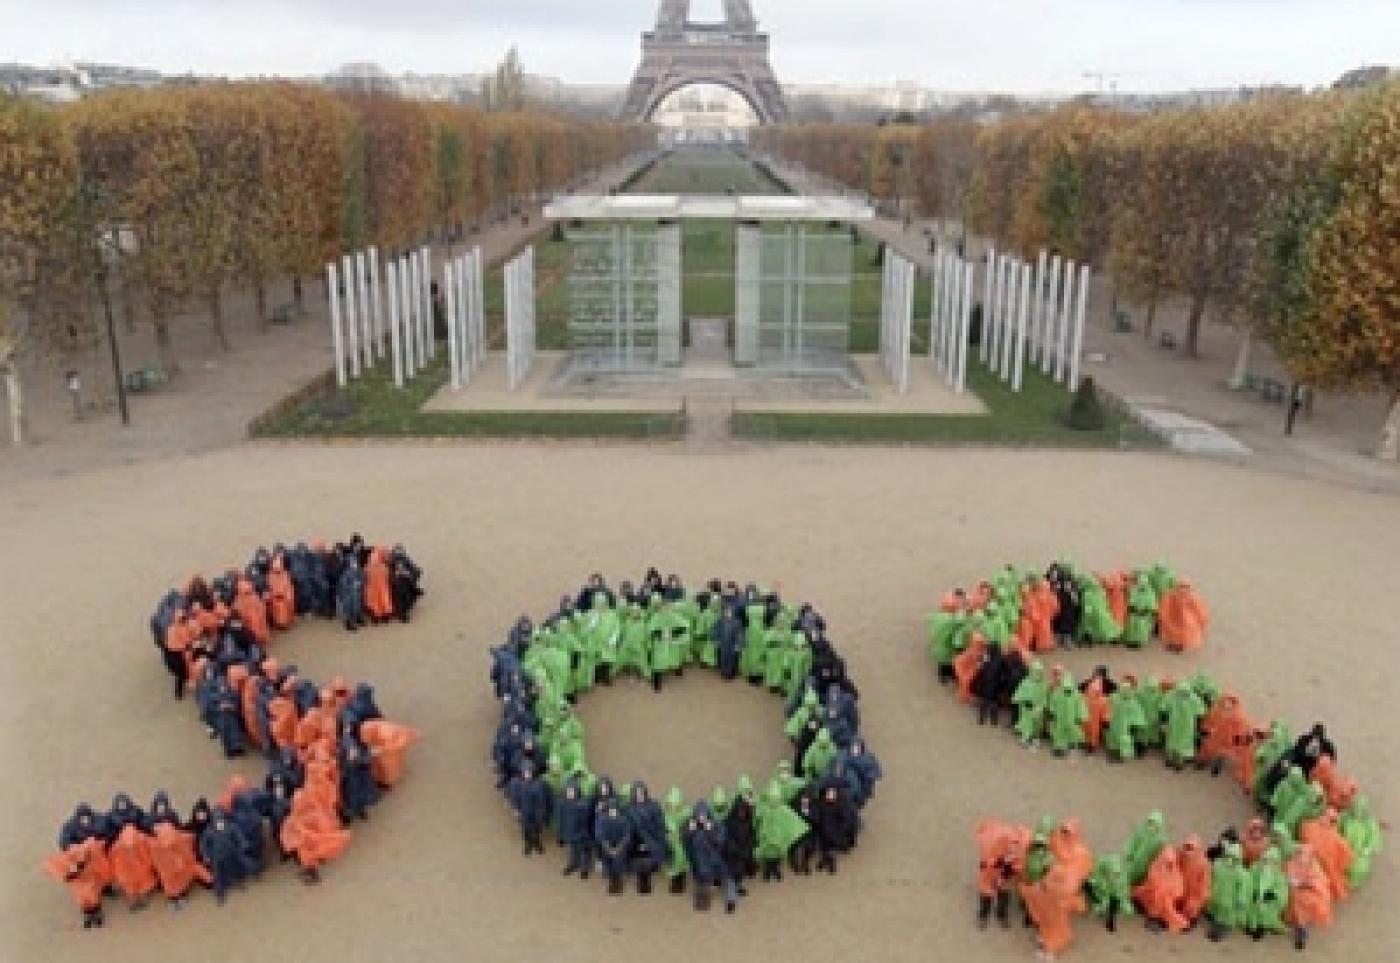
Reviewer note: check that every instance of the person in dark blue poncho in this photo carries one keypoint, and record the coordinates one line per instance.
(650, 848)
(575, 821)
(530, 798)
(612, 837)
(224, 850)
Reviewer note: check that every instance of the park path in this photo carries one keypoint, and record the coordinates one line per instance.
(1334, 443)
(217, 392)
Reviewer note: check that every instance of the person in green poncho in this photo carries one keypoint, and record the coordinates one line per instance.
(776, 827)
(1142, 612)
(1363, 834)
(1161, 578)
(946, 634)
(993, 625)
(1285, 801)
(789, 782)
(1231, 893)
(705, 621)
(1183, 710)
(720, 803)
(1039, 858)
(1030, 698)
(1144, 845)
(1269, 888)
(1125, 724)
(597, 632)
(634, 648)
(755, 628)
(1109, 893)
(817, 759)
(670, 640)
(1067, 713)
(1267, 754)
(776, 643)
(676, 813)
(1206, 687)
(568, 745)
(1150, 697)
(810, 706)
(1096, 622)
(797, 665)
(1307, 803)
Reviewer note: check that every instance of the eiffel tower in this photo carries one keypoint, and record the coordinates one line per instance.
(679, 52)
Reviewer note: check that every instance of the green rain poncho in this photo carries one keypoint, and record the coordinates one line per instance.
(1231, 890)
(1206, 687)
(1125, 722)
(798, 720)
(1142, 612)
(1096, 621)
(1030, 699)
(720, 803)
(670, 639)
(1269, 889)
(1068, 713)
(1183, 710)
(1144, 845)
(776, 826)
(776, 643)
(790, 783)
(817, 759)
(797, 665)
(1269, 752)
(574, 641)
(751, 659)
(1293, 800)
(947, 635)
(1162, 578)
(1363, 834)
(599, 632)
(993, 626)
(1039, 859)
(634, 649)
(567, 745)
(676, 813)
(1108, 884)
(1150, 697)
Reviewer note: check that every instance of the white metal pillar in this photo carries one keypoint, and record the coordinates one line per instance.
(337, 340)
(1077, 341)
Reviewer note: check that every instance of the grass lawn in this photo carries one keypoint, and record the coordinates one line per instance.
(709, 171)
(372, 408)
(1032, 418)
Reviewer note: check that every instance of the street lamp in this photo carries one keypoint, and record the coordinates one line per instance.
(89, 195)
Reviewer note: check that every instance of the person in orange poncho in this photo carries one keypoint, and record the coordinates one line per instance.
(1001, 852)
(1100, 711)
(1115, 586)
(1182, 618)
(379, 590)
(388, 743)
(281, 595)
(174, 861)
(966, 663)
(130, 856)
(322, 778)
(1051, 904)
(1255, 841)
(175, 650)
(85, 870)
(1195, 877)
(1160, 894)
(253, 611)
(1225, 726)
(312, 834)
(1309, 894)
(1333, 852)
(282, 716)
(1039, 606)
(1071, 852)
(319, 723)
(1339, 789)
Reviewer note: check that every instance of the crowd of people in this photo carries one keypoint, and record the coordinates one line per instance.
(804, 817)
(1313, 842)
(330, 752)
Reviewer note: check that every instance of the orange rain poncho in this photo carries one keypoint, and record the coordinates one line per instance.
(130, 856)
(282, 718)
(388, 743)
(1070, 851)
(1339, 789)
(173, 858)
(1003, 843)
(1051, 904)
(1224, 725)
(1039, 606)
(313, 834)
(1161, 892)
(966, 664)
(84, 869)
(281, 595)
(319, 723)
(379, 591)
(1100, 711)
(1309, 893)
(322, 781)
(1195, 876)
(1255, 841)
(1333, 852)
(253, 611)
(1182, 618)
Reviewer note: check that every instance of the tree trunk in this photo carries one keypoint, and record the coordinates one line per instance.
(128, 307)
(1242, 361)
(14, 391)
(297, 295)
(216, 317)
(1193, 324)
(165, 350)
(260, 298)
(1389, 449)
(1151, 318)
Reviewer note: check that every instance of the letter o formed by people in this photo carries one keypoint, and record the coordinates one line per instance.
(1311, 844)
(330, 753)
(805, 816)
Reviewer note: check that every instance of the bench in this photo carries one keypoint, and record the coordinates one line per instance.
(145, 378)
(286, 313)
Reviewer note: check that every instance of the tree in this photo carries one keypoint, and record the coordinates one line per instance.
(1337, 318)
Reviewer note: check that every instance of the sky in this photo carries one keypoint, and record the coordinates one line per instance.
(1016, 46)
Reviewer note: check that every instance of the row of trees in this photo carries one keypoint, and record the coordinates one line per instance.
(183, 194)
(1280, 214)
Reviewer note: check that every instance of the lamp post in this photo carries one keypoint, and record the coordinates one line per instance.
(99, 262)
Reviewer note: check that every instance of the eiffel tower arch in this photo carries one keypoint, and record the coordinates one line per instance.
(680, 52)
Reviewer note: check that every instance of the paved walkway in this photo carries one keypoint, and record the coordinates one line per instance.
(1334, 443)
(209, 403)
